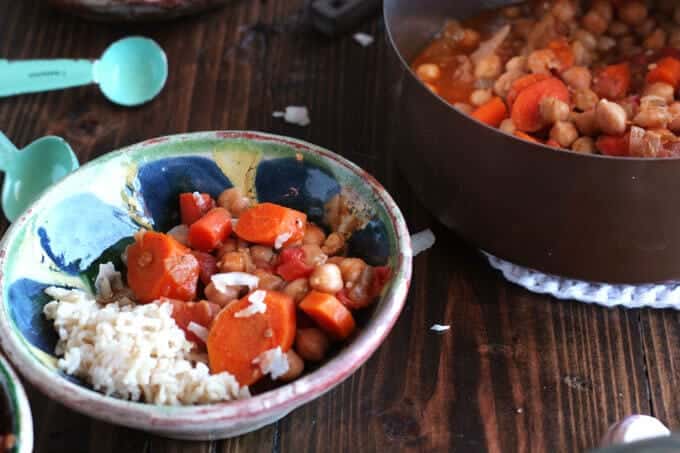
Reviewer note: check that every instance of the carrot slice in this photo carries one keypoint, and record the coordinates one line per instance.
(207, 265)
(525, 110)
(234, 342)
(329, 313)
(159, 266)
(492, 112)
(667, 70)
(563, 52)
(612, 145)
(553, 143)
(270, 224)
(184, 313)
(210, 230)
(613, 81)
(522, 83)
(526, 136)
(194, 205)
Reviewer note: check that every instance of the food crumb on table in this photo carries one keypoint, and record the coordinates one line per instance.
(440, 327)
(422, 241)
(364, 39)
(293, 114)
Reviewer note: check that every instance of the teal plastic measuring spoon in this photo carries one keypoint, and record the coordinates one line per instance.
(131, 71)
(28, 172)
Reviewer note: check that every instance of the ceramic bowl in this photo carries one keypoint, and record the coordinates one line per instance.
(135, 10)
(15, 412)
(90, 215)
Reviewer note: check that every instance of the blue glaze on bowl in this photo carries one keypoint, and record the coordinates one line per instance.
(27, 298)
(371, 243)
(300, 185)
(163, 180)
(78, 229)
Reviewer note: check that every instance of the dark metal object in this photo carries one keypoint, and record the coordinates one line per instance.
(135, 10)
(334, 17)
(589, 217)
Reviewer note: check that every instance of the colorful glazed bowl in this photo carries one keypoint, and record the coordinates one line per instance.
(15, 412)
(90, 215)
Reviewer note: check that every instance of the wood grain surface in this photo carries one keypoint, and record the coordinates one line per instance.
(516, 372)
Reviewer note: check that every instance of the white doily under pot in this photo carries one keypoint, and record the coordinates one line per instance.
(609, 295)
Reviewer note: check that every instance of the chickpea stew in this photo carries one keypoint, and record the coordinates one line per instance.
(597, 77)
(236, 269)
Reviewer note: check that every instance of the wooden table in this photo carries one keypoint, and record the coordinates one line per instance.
(516, 372)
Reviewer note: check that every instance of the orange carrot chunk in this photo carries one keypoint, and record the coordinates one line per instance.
(184, 313)
(271, 224)
(525, 136)
(563, 52)
(613, 81)
(193, 206)
(159, 266)
(667, 70)
(525, 111)
(612, 145)
(492, 112)
(522, 83)
(235, 340)
(329, 313)
(210, 230)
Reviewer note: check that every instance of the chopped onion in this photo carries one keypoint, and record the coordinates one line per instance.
(108, 280)
(422, 241)
(491, 45)
(221, 281)
(256, 305)
(198, 330)
(281, 239)
(440, 327)
(180, 233)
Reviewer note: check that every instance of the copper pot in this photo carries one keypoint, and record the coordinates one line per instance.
(591, 217)
(135, 10)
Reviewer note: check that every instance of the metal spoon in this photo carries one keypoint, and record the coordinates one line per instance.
(130, 72)
(30, 171)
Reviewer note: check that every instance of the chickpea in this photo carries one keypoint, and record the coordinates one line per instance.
(268, 281)
(632, 13)
(233, 201)
(605, 43)
(553, 110)
(564, 133)
(674, 113)
(542, 61)
(295, 367)
(585, 145)
(646, 28)
(564, 11)
(360, 293)
(229, 245)
(428, 72)
(464, 108)
(508, 126)
(326, 278)
(578, 77)
(618, 29)
(238, 261)
(585, 122)
(582, 56)
(586, 38)
(351, 269)
(594, 22)
(610, 117)
(313, 256)
(479, 97)
(312, 344)
(604, 9)
(656, 41)
(488, 67)
(629, 106)
(503, 84)
(313, 235)
(262, 256)
(333, 244)
(585, 99)
(652, 117)
(516, 64)
(335, 260)
(297, 289)
(218, 297)
(661, 90)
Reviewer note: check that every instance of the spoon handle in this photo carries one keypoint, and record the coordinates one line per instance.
(33, 76)
(7, 148)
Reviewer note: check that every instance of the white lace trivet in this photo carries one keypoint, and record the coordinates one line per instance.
(630, 296)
